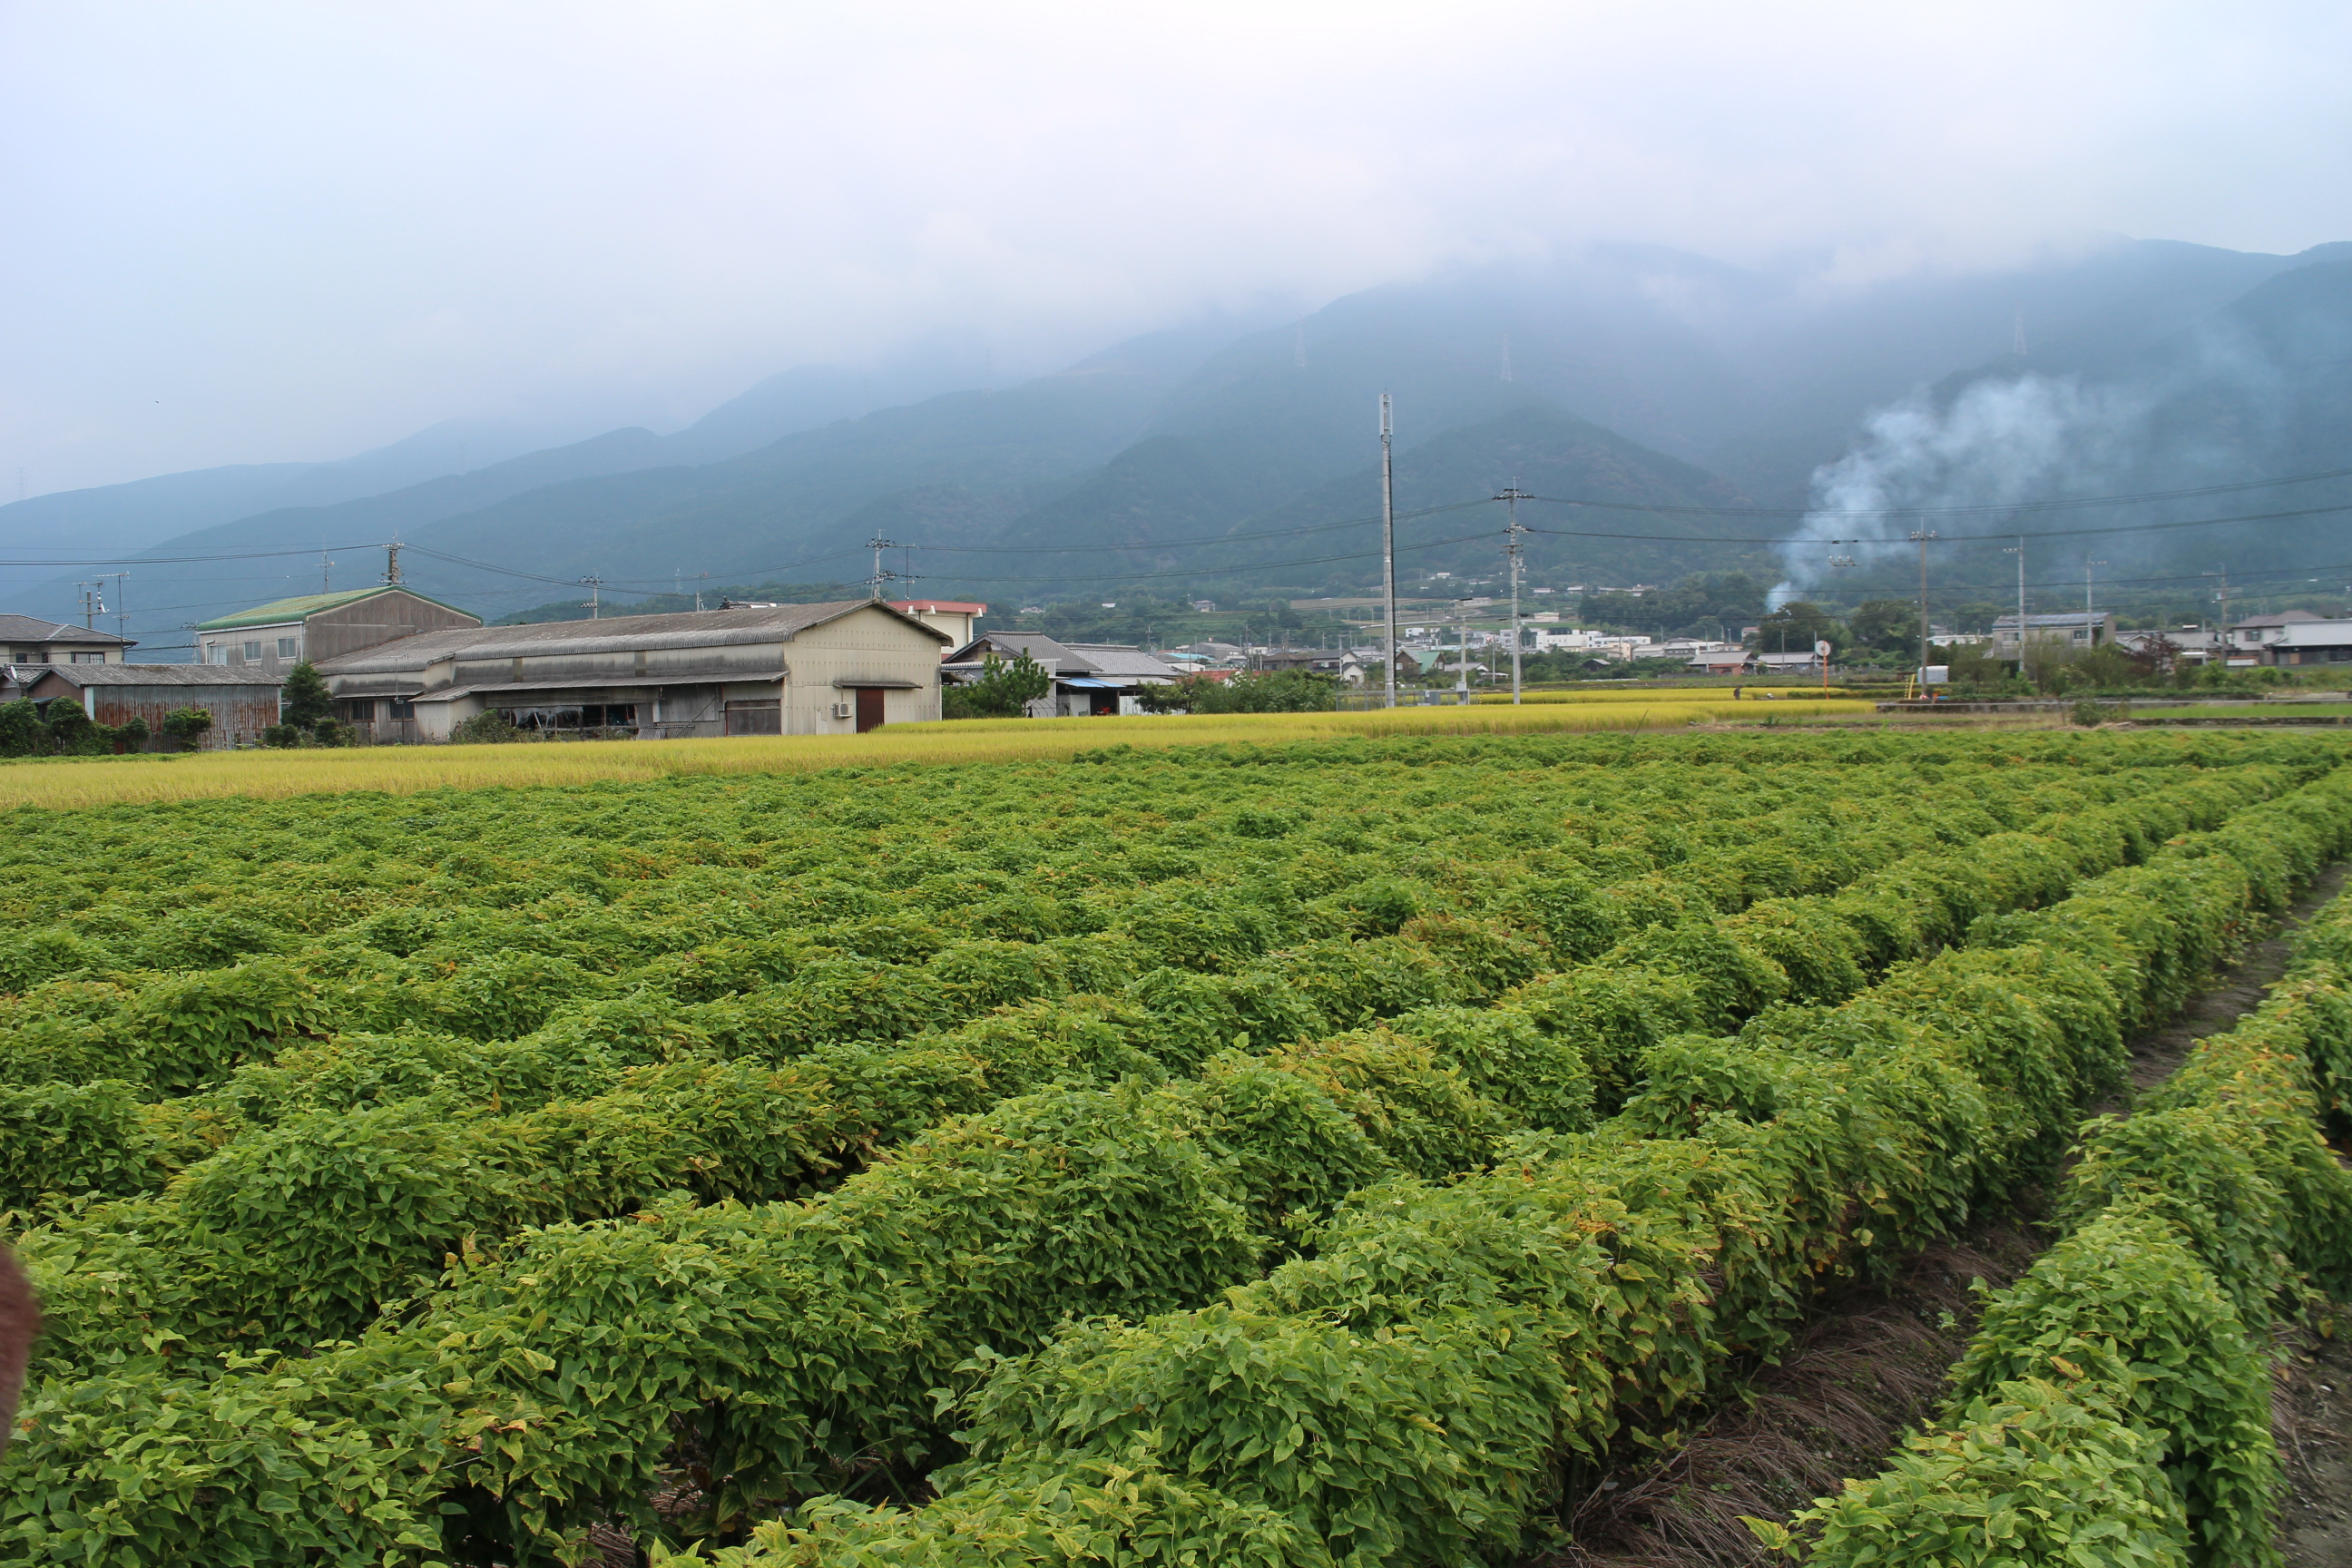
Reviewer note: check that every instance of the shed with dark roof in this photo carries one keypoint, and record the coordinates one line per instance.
(241, 702)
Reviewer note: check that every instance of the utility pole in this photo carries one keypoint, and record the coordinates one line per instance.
(1920, 537)
(878, 545)
(1462, 659)
(326, 574)
(88, 615)
(1388, 542)
(700, 578)
(2224, 576)
(2018, 549)
(2090, 632)
(594, 587)
(1512, 495)
(122, 615)
(391, 564)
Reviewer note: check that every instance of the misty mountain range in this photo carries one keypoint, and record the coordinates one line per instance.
(1230, 456)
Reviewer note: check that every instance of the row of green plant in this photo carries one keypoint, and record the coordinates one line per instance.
(2117, 1400)
(170, 985)
(790, 1346)
(59, 727)
(1404, 1394)
(166, 956)
(624, 871)
(281, 1221)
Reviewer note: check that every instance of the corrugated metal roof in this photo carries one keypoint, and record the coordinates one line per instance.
(2311, 634)
(1036, 644)
(152, 675)
(32, 628)
(582, 683)
(1123, 660)
(282, 612)
(683, 629)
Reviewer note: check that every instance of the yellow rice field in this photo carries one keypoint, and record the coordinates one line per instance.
(64, 783)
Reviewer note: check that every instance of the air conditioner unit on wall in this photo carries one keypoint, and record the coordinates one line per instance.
(840, 709)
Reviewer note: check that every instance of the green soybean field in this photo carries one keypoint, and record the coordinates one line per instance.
(1314, 1154)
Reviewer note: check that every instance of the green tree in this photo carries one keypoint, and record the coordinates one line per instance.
(71, 730)
(304, 700)
(187, 727)
(1001, 691)
(1271, 691)
(1888, 626)
(1796, 626)
(22, 733)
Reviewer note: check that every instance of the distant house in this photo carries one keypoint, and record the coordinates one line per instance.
(1785, 664)
(1360, 665)
(2249, 642)
(1321, 660)
(1725, 660)
(952, 616)
(1216, 652)
(841, 667)
(275, 637)
(242, 703)
(2185, 645)
(1090, 678)
(30, 640)
(2073, 631)
(2307, 642)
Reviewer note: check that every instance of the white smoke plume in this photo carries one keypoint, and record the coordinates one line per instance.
(1997, 443)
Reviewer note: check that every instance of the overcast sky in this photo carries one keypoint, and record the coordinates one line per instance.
(246, 232)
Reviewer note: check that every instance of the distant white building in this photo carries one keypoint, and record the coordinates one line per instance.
(2304, 643)
(2073, 630)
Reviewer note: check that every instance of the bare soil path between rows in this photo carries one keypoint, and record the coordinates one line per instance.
(1873, 1359)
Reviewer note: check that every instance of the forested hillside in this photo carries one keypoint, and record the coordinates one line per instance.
(1631, 376)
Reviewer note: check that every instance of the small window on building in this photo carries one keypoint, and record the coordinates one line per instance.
(80, 657)
(286, 648)
(252, 651)
(217, 653)
(403, 708)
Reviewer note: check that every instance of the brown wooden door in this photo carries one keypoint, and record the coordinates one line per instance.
(870, 709)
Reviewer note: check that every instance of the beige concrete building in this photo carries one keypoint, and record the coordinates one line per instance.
(795, 669)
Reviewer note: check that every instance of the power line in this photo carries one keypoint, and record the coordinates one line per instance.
(1949, 538)
(2002, 509)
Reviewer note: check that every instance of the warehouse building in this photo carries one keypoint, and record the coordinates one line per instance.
(844, 668)
(273, 638)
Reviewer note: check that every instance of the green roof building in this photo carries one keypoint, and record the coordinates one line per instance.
(276, 637)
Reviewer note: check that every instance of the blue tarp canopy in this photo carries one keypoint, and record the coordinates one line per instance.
(1088, 683)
